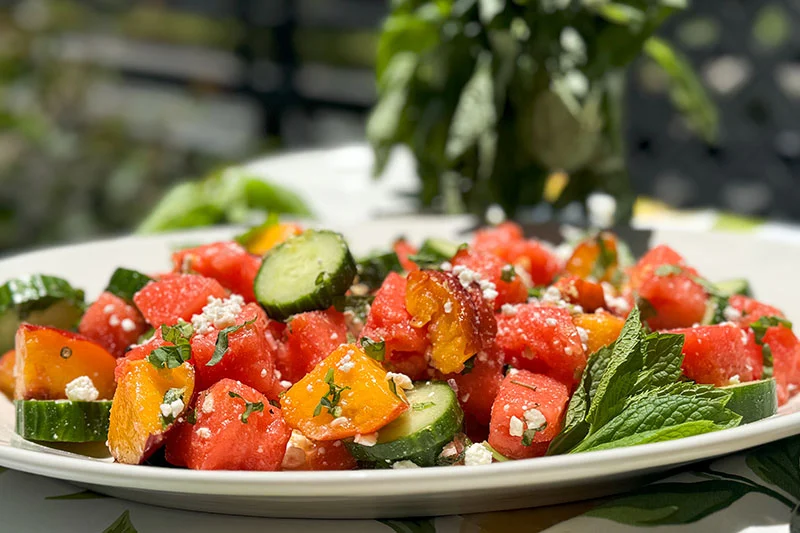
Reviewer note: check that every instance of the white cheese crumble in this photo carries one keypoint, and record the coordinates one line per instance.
(172, 409)
(550, 321)
(515, 427)
(346, 364)
(263, 372)
(286, 384)
(734, 380)
(583, 335)
(128, 325)
(477, 454)
(81, 389)
(402, 465)
(296, 449)
(552, 295)
(340, 421)
(449, 450)
(113, 321)
(401, 380)
(731, 314)
(446, 266)
(534, 419)
(108, 309)
(615, 304)
(208, 404)
(448, 306)
(508, 309)
(219, 313)
(370, 439)
(203, 433)
(467, 277)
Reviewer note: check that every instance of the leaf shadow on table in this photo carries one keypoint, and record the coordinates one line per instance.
(777, 465)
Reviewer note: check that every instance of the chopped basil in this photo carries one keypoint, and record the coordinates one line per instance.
(331, 399)
(171, 396)
(249, 407)
(374, 349)
(530, 433)
(469, 364)
(173, 356)
(221, 346)
(760, 328)
(508, 273)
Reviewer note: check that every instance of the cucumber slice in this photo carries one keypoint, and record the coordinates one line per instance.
(374, 268)
(439, 247)
(432, 420)
(733, 286)
(753, 400)
(124, 283)
(38, 299)
(63, 420)
(304, 273)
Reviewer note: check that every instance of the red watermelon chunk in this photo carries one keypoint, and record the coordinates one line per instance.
(220, 439)
(113, 323)
(542, 339)
(537, 260)
(491, 268)
(176, 296)
(403, 249)
(498, 240)
(478, 387)
(526, 401)
(676, 299)
(227, 262)
(751, 309)
(250, 357)
(310, 338)
(718, 354)
(785, 350)
(658, 256)
(390, 321)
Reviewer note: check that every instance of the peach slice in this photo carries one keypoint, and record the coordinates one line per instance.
(601, 328)
(146, 405)
(584, 259)
(49, 358)
(459, 325)
(7, 362)
(262, 240)
(346, 394)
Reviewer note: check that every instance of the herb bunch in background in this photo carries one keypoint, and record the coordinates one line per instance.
(492, 96)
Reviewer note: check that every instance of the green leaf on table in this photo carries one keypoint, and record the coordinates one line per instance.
(475, 112)
(122, 524)
(777, 464)
(672, 503)
(686, 91)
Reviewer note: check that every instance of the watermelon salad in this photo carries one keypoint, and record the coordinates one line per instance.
(280, 351)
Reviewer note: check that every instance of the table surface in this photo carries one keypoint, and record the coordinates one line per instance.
(756, 491)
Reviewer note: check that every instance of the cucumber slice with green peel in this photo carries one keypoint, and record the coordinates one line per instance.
(753, 400)
(733, 286)
(439, 247)
(63, 420)
(304, 273)
(374, 268)
(432, 420)
(38, 299)
(124, 283)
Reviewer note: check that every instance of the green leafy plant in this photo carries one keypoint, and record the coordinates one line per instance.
(492, 96)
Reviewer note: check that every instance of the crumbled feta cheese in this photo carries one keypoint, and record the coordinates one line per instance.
(81, 389)
(552, 295)
(113, 321)
(401, 380)
(263, 372)
(334, 336)
(370, 439)
(466, 276)
(208, 404)
(402, 465)
(310, 387)
(446, 266)
(534, 419)
(489, 291)
(128, 325)
(616, 304)
(203, 433)
(346, 364)
(453, 385)
(286, 384)
(515, 427)
(550, 321)
(172, 409)
(219, 313)
(731, 314)
(448, 306)
(734, 380)
(477, 454)
(583, 335)
(296, 449)
(108, 309)
(340, 421)
(506, 407)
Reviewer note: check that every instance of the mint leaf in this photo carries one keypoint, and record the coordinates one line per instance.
(249, 407)
(180, 333)
(221, 346)
(663, 358)
(761, 326)
(374, 349)
(672, 411)
(619, 378)
(169, 356)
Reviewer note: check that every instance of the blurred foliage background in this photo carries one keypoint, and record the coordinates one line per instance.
(106, 103)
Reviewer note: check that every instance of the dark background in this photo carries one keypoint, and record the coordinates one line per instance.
(105, 103)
